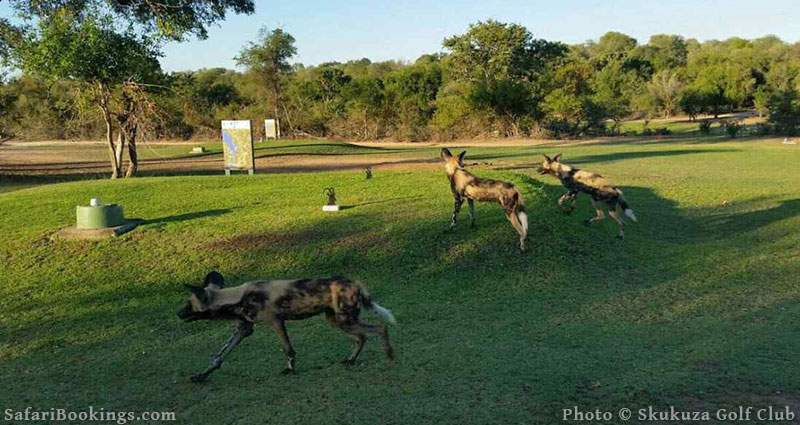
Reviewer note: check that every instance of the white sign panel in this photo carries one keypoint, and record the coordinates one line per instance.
(271, 129)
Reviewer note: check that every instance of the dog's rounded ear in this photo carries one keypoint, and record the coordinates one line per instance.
(199, 292)
(547, 158)
(446, 154)
(461, 156)
(214, 279)
(557, 158)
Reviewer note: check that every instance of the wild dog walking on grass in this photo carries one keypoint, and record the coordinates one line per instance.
(464, 185)
(276, 301)
(595, 185)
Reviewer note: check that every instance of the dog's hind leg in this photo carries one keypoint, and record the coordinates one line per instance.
(471, 204)
(243, 330)
(280, 328)
(599, 214)
(379, 330)
(523, 234)
(615, 215)
(457, 202)
(358, 332)
(359, 338)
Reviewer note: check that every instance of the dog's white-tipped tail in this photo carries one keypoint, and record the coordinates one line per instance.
(630, 214)
(523, 218)
(385, 313)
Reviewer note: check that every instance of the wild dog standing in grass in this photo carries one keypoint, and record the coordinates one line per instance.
(464, 185)
(595, 185)
(275, 302)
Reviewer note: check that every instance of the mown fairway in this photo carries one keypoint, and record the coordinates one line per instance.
(698, 308)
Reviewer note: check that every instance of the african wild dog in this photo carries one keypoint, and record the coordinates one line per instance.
(275, 302)
(464, 185)
(595, 185)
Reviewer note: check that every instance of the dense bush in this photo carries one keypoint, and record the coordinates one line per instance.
(704, 127)
(732, 129)
(495, 80)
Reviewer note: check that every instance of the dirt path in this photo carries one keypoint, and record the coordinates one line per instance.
(71, 159)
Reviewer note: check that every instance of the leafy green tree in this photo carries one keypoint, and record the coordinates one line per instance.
(612, 46)
(665, 52)
(170, 18)
(614, 89)
(570, 105)
(492, 50)
(692, 103)
(665, 89)
(110, 47)
(784, 101)
(503, 66)
(89, 51)
(411, 93)
(268, 58)
(761, 100)
(366, 100)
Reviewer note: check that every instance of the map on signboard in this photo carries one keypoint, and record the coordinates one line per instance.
(237, 145)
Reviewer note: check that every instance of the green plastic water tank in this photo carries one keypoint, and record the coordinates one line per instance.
(99, 216)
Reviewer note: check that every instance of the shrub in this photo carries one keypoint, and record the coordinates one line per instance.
(662, 131)
(732, 129)
(704, 127)
(763, 129)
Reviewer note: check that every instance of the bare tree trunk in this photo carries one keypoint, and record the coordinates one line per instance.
(119, 149)
(103, 100)
(133, 156)
(288, 120)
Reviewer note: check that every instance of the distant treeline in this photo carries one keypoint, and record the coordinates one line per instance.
(494, 80)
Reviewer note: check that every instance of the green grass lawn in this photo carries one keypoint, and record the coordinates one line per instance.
(698, 308)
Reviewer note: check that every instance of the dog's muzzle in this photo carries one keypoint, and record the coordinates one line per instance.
(185, 314)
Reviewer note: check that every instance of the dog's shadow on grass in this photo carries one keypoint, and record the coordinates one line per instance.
(580, 160)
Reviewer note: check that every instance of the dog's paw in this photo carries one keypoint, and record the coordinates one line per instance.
(200, 377)
(587, 222)
(287, 371)
(348, 362)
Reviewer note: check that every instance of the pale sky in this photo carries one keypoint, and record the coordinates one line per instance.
(405, 29)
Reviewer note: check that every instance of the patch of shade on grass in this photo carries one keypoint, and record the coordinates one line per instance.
(697, 307)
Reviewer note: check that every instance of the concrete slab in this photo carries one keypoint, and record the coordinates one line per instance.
(73, 233)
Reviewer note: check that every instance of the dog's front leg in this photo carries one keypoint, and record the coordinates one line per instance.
(471, 204)
(280, 328)
(243, 330)
(457, 202)
(567, 202)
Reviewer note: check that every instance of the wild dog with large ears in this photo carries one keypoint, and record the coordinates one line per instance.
(595, 185)
(276, 301)
(465, 185)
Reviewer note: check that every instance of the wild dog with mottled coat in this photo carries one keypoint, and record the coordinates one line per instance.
(595, 185)
(276, 301)
(465, 185)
